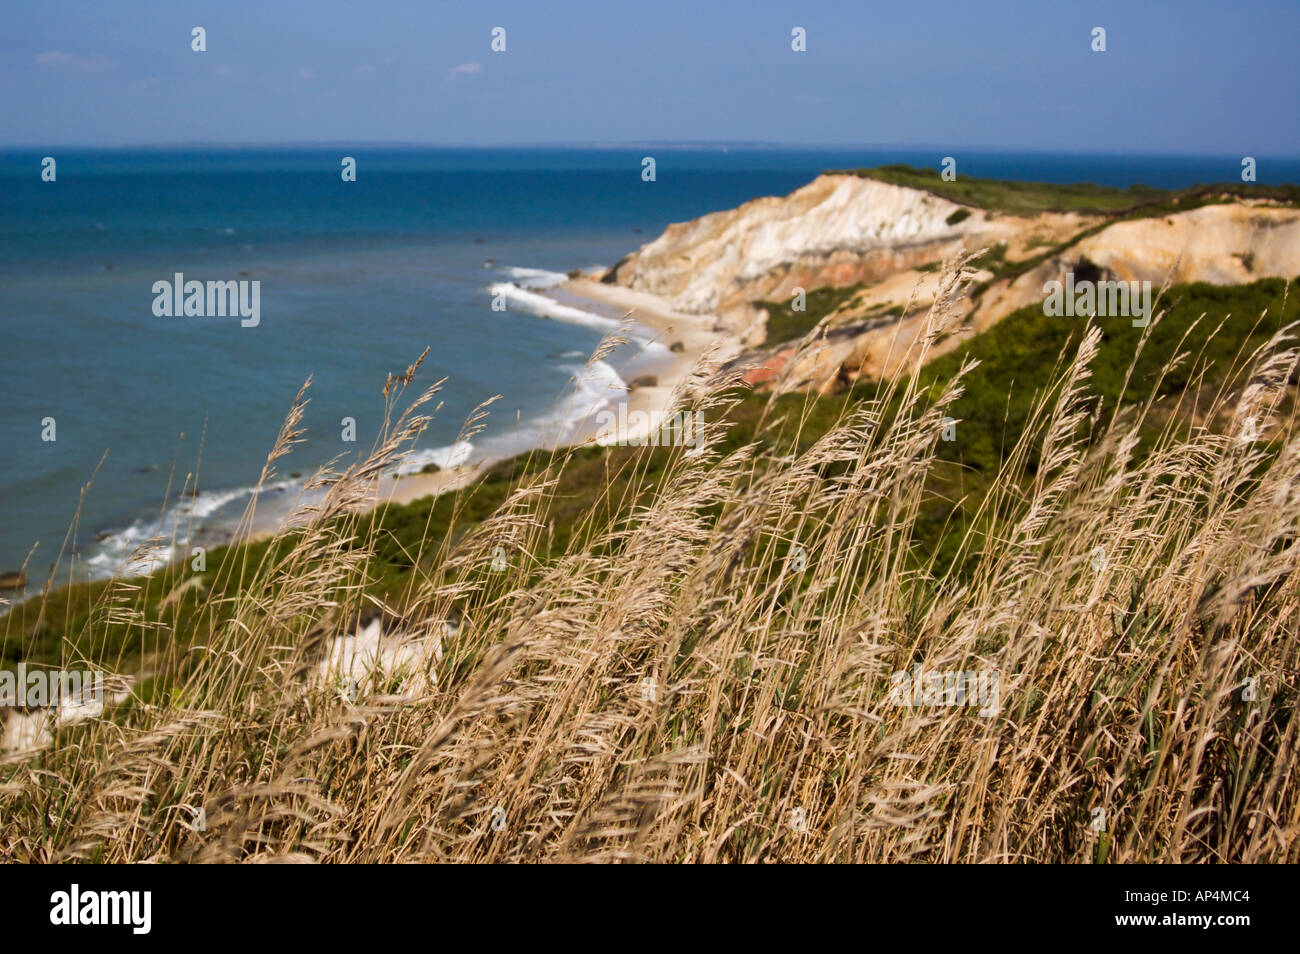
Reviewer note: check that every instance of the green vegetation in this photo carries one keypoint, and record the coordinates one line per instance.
(1018, 357)
(686, 649)
(784, 323)
(1016, 198)
(1032, 198)
(995, 261)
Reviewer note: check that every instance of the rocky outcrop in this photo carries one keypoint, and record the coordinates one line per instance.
(842, 230)
(1226, 244)
(837, 230)
(1223, 244)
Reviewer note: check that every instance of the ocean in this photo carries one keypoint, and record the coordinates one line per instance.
(356, 280)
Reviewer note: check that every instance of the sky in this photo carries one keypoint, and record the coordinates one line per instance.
(1188, 77)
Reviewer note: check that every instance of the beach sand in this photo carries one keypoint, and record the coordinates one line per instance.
(695, 333)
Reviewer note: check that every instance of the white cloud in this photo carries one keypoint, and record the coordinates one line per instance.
(57, 59)
(465, 69)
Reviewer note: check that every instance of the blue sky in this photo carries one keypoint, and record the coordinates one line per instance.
(1191, 76)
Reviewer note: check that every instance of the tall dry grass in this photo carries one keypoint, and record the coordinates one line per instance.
(687, 685)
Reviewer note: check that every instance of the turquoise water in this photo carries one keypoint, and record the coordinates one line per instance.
(357, 279)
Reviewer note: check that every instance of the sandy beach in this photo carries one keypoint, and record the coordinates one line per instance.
(685, 338)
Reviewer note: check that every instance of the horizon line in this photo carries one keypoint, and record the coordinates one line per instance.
(684, 144)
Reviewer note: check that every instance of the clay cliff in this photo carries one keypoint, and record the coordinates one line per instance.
(882, 244)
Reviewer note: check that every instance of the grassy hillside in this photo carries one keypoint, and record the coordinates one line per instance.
(1017, 358)
(1032, 198)
(785, 323)
(688, 655)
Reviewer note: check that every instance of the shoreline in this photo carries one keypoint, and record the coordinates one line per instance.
(694, 333)
(678, 341)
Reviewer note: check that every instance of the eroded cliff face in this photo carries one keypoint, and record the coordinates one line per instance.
(843, 230)
(1223, 244)
(837, 230)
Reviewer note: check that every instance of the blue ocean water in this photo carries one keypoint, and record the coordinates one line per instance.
(357, 279)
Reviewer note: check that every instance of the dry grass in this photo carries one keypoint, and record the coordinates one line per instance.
(686, 685)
